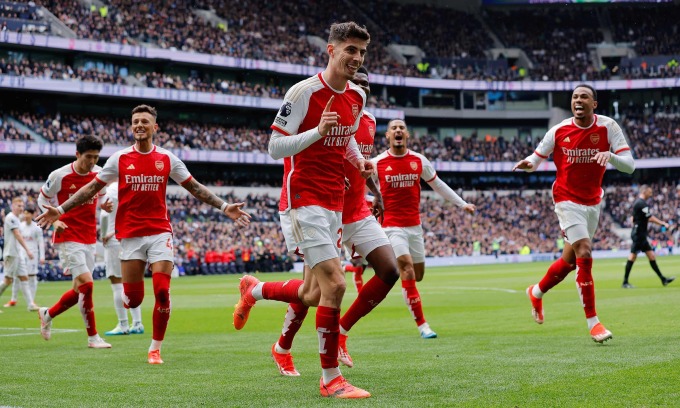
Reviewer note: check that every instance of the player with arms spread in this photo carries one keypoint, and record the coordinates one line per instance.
(581, 147)
(142, 225)
(399, 171)
(314, 133)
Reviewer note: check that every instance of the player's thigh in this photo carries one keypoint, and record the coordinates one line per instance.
(314, 231)
(576, 220)
(364, 236)
(399, 240)
(330, 277)
(112, 260)
(161, 250)
(416, 244)
(76, 258)
(14, 268)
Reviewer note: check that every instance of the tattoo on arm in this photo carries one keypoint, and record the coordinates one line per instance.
(202, 193)
(83, 195)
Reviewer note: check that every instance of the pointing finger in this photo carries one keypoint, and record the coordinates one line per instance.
(328, 105)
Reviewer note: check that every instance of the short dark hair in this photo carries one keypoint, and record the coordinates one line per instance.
(89, 142)
(362, 70)
(341, 32)
(589, 87)
(147, 109)
(392, 120)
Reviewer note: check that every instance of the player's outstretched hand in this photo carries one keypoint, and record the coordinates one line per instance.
(470, 208)
(107, 206)
(378, 208)
(239, 216)
(602, 158)
(59, 227)
(366, 168)
(523, 165)
(328, 118)
(47, 218)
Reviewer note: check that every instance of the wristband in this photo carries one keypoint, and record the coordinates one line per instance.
(61, 210)
(224, 205)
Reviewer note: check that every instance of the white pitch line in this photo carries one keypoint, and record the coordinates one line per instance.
(474, 289)
(32, 331)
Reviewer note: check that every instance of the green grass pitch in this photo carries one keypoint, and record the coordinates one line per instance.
(489, 353)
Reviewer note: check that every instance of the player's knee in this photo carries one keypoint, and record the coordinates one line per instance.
(133, 299)
(162, 295)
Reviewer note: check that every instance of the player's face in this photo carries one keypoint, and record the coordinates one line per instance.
(647, 193)
(87, 160)
(397, 133)
(582, 102)
(17, 207)
(361, 80)
(346, 57)
(143, 126)
(27, 216)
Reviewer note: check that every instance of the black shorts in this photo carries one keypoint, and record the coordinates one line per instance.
(640, 245)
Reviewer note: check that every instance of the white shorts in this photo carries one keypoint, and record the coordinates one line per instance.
(32, 265)
(314, 231)
(15, 266)
(153, 248)
(76, 258)
(577, 221)
(407, 241)
(360, 238)
(112, 260)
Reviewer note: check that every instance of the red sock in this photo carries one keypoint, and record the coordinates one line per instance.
(68, 299)
(350, 268)
(328, 329)
(556, 274)
(370, 296)
(294, 317)
(133, 294)
(359, 278)
(161, 310)
(412, 299)
(87, 307)
(283, 291)
(585, 285)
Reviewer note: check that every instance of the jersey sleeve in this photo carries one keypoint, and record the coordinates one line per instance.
(178, 170)
(547, 145)
(109, 172)
(616, 139)
(292, 112)
(429, 173)
(52, 185)
(13, 223)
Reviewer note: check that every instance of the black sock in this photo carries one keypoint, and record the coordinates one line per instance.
(629, 266)
(656, 269)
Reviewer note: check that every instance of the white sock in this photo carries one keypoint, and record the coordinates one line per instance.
(329, 374)
(280, 350)
(26, 290)
(155, 345)
(33, 284)
(136, 313)
(536, 291)
(15, 289)
(3, 286)
(424, 327)
(94, 338)
(343, 331)
(121, 312)
(257, 291)
(592, 322)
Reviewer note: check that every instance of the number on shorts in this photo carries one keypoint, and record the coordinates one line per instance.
(339, 244)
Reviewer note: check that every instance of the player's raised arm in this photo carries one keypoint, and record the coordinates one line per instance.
(284, 142)
(52, 214)
(232, 211)
(620, 157)
(542, 152)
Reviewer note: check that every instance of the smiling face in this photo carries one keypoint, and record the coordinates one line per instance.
(143, 126)
(583, 104)
(397, 135)
(346, 57)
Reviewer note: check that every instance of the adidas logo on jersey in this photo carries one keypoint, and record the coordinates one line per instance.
(131, 167)
(389, 168)
(73, 187)
(567, 140)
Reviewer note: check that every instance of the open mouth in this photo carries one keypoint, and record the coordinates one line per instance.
(579, 108)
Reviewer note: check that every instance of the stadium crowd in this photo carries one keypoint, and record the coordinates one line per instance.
(256, 29)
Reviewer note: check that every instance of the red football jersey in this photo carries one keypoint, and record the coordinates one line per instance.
(400, 186)
(142, 181)
(81, 221)
(316, 175)
(579, 179)
(355, 207)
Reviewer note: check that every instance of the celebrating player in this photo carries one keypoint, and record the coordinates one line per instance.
(581, 148)
(399, 171)
(314, 132)
(143, 228)
(75, 236)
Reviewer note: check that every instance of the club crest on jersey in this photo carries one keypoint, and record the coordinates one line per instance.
(159, 165)
(355, 110)
(371, 131)
(594, 137)
(286, 109)
(414, 166)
